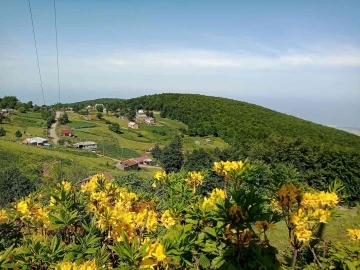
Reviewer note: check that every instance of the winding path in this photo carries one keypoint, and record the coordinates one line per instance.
(52, 131)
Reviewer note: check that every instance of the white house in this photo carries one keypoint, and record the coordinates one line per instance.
(35, 141)
(150, 121)
(85, 145)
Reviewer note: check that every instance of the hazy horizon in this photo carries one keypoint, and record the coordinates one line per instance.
(299, 58)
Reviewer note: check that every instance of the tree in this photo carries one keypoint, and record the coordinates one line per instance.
(199, 160)
(18, 134)
(2, 132)
(99, 115)
(156, 151)
(30, 104)
(13, 186)
(8, 102)
(131, 115)
(172, 158)
(99, 108)
(115, 127)
(76, 108)
(64, 119)
(22, 110)
(36, 108)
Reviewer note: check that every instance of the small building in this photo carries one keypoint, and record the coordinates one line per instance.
(129, 164)
(150, 121)
(140, 116)
(9, 111)
(35, 141)
(67, 132)
(87, 179)
(85, 145)
(133, 125)
(144, 159)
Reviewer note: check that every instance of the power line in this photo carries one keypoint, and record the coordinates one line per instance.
(37, 55)
(57, 52)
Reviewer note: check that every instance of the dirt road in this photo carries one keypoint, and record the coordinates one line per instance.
(52, 131)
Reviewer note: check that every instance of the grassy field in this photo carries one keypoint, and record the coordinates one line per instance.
(335, 230)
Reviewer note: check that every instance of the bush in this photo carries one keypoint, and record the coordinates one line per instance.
(22, 110)
(2, 132)
(18, 134)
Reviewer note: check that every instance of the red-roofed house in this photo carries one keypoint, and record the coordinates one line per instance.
(129, 164)
(144, 159)
(67, 132)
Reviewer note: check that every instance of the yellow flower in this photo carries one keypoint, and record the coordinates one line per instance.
(23, 207)
(167, 220)
(216, 196)
(354, 234)
(66, 185)
(160, 175)
(3, 216)
(194, 179)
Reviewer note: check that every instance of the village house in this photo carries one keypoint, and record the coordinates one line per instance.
(144, 159)
(129, 164)
(133, 125)
(67, 132)
(87, 179)
(140, 116)
(85, 145)
(9, 111)
(150, 121)
(36, 141)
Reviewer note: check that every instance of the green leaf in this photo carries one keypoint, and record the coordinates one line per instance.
(210, 231)
(350, 265)
(204, 261)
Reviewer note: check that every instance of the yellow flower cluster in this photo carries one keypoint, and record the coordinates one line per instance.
(319, 200)
(3, 216)
(299, 220)
(118, 210)
(264, 226)
(287, 195)
(33, 212)
(167, 220)
(216, 196)
(90, 265)
(155, 255)
(65, 185)
(159, 176)
(354, 234)
(224, 167)
(194, 179)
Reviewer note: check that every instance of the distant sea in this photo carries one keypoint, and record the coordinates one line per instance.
(353, 130)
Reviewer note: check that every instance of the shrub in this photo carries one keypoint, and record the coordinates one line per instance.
(2, 132)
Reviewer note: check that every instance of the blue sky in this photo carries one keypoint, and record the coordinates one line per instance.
(296, 57)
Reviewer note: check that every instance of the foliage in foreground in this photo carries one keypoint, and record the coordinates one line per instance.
(102, 225)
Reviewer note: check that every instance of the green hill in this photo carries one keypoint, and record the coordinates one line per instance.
(319, 154)
(231, 119)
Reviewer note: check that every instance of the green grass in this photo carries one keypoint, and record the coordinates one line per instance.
(116, 152)
(189, 143)
(80, 124)
(335, 230)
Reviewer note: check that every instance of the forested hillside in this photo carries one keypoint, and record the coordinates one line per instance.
(230, 118)
(319, 154)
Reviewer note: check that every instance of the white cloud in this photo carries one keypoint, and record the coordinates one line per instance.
(215, 59)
